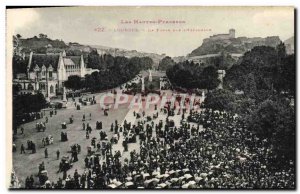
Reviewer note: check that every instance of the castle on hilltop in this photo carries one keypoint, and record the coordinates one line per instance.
(230, 35)
(229, 44)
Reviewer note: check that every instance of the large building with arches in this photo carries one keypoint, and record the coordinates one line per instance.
(46, 73)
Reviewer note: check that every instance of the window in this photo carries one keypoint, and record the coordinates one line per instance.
(19, 86)
(42, 86)
(51, 90)
(30, 87)
(50, 74)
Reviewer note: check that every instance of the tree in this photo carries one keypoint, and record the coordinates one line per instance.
(288, 75)
(220, 100)
(41, 35)
(234, 79)
(93, 60)
(165, 63)
(209, 78)
(250, 85)
(190, 75)
(263, 68)
(281, 51)
(18, 36)
(73, 82)
(286, 78)
(41, 50)
(146, 63)
(274, 119)
(19, 65)
(151, 87)
(27, 103)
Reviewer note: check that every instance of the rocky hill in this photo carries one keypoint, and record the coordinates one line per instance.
(237, 45)
(290, 45)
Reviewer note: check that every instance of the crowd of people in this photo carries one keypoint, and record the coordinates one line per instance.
(209, 150)
(30, 146)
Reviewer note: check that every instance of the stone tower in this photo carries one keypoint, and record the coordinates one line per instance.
(232, 33)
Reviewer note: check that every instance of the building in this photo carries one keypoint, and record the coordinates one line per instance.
(230, 35)
(46, 73)
(221, 75)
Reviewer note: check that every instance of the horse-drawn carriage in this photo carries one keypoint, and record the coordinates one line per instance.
(99, 125)
(64, 136)
(65, 163)
(171, 123)
(43, 177)
(64, 125)
(103, 135)
(115, 139)
(49, 140)
(40, 127)
(71, 120)
(131, 137)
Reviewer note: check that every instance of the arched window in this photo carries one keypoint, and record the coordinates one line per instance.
(42, 86)
(30, 87)
(19, 86)
(56, 88)
(51, 89)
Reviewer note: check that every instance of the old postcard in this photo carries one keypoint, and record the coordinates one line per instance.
(151, 98)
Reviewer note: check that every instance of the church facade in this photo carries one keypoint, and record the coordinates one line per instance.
(47, 73)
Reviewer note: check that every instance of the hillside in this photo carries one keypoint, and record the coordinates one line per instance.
(128, 53)
(233, 45)
(39, 44)
(290, 45)
(43, 45)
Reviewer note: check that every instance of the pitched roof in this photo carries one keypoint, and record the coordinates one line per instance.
(72, 60)
(44, 59)
(52, 59)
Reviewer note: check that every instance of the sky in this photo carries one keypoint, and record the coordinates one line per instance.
(105, 25)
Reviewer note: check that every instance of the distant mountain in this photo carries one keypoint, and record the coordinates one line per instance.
(289, 44)
(128, 53)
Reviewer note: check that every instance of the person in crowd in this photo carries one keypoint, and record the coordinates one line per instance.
(22, 149)
(57, 154)
(216, 150)
(46, 152)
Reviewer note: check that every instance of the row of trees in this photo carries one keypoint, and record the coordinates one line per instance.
(263, 68)
(192, 76)
(166, 63)
(108, 62)
(26, 103)
(266, 75)
(114, 71)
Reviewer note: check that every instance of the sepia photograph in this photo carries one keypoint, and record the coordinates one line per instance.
(151, 98)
